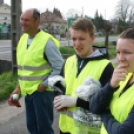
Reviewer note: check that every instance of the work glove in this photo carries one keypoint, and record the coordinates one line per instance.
(62, 101)
(57, 83)
(14, 100)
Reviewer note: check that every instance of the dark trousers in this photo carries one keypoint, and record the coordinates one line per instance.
(39, 112)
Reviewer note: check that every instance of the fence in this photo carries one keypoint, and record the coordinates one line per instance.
(5, 36)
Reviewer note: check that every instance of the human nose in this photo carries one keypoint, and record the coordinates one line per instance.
(22, 21)
(121, 57)
(76, 42)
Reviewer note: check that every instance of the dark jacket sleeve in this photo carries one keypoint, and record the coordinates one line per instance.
(106, 76)
(100, 101)
(62, 70)
(114, 127)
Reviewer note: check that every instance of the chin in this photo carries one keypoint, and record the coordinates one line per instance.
(79, 54)
(23, 30)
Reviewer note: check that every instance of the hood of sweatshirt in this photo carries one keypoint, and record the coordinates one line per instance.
(98, 54)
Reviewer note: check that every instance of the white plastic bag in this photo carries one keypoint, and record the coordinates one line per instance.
(85, 121)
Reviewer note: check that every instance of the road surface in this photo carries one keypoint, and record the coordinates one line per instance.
(5, 46)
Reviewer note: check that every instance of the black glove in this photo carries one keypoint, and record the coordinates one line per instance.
(59, 89)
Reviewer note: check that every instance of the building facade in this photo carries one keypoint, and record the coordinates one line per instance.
(5, 14)
(53, 23)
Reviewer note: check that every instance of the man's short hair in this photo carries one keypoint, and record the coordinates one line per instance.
(83, 24)
(36, 14)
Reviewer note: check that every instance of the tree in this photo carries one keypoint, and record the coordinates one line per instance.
(57, 12)
(107, 28)
(125, 10)
(131, 15)
(73, 13)
(122, 25)
(98, 21)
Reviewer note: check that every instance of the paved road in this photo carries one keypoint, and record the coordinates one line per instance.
(97, 39)
(12, 119)
(17, 125)
(5, 46)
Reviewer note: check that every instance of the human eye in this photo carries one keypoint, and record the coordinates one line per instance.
(127, 52)
(117, 52)
(73, 39)
(82, 38)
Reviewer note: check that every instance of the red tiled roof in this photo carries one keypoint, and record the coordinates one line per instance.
(50, 17)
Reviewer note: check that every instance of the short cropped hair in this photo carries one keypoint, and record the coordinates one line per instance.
(83, 24)
(36, 14)
(127, 34)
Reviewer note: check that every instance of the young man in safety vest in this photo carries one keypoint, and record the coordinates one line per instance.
(38, 58)
(87, 62)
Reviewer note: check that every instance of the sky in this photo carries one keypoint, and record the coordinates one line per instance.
(86, 7)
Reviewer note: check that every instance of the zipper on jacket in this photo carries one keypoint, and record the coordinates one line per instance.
(81, 63)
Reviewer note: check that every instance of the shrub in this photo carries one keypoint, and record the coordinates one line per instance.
(8, 82)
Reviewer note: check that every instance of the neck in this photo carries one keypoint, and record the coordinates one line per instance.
(34, 33)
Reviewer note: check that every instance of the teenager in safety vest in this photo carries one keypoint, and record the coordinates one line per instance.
(38, 58)
(115, 102)
(87, 62)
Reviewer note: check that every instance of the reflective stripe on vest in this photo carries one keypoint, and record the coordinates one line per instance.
(93, 69)
(34, 68)
(32, 78)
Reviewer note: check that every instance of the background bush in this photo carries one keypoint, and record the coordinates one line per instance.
(8, 82)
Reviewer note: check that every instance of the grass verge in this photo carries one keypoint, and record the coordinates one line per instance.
(8, 82)
(66, 51)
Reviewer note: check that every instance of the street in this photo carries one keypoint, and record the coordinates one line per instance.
(5, 46)
(17, 125)
(13, 121)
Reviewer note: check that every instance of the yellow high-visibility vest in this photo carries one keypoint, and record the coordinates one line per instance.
(121, 105)
(93, 69)
(32, 67)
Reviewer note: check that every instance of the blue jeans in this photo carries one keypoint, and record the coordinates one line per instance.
(39, 112)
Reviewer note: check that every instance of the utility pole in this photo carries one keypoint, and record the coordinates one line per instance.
(107, 29)
(16, 9)
(105, 14)
(82, 11)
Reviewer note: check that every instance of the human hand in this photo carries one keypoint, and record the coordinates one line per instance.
(16, 91)
(14, 97)
(119, 74)
(63, 101)
(62, 110)
(14, 100)
(41, 88)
